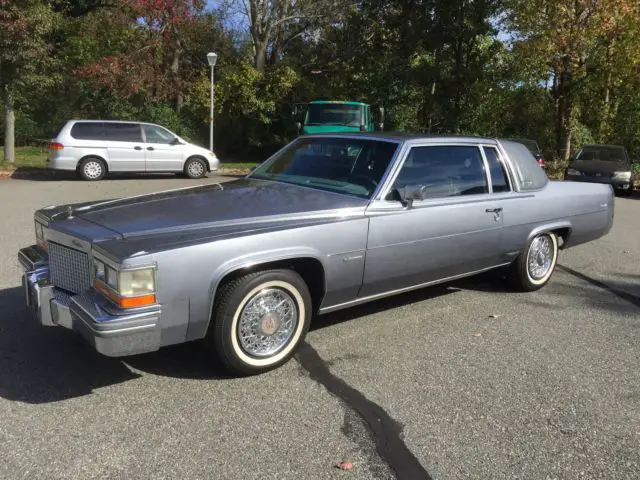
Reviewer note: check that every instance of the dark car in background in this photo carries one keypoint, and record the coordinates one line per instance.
(603, 164)
(533, 147)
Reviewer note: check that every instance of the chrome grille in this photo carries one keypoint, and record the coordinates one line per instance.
(69, 268)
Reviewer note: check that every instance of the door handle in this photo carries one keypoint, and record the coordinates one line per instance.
(137, 148)
(149, 148)
(493, 210)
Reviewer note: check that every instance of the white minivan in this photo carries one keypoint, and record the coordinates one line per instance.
(94, 148)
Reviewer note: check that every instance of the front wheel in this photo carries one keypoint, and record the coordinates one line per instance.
(534, 267)
(195, 168)
(259, 320)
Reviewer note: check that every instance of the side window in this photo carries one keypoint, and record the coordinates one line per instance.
(157, 134)
(123, 132)
(445, 171)
(88, 131)
(496, 169)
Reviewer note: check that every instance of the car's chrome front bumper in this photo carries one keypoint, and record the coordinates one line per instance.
(110, 331)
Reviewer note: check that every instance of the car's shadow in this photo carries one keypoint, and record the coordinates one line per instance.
(38, 174)
(42, 365)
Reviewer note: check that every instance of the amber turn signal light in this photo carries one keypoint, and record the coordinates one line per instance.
(124, 302)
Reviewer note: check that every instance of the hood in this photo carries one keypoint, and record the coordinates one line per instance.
(599, 166)
(329, 129)
(231, 205)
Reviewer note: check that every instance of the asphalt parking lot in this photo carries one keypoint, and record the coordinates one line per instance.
(461, 381)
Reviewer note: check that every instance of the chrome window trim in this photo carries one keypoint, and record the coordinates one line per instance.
(501, 161)
(421, 143)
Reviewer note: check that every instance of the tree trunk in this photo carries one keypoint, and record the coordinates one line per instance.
(606, 105)
(564, 111)
(175, 72)
(260, 57)
(9, 128)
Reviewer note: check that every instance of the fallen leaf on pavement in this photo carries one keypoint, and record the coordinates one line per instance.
(345, 465)
(477, 334)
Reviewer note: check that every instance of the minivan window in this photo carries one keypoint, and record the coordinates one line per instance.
(88, 131)
(445, 171)
(157, 135)
(499, 180)
(123, 132)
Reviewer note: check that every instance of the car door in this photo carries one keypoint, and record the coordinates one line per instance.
(125, 147)
(454, 231)
(163, 153)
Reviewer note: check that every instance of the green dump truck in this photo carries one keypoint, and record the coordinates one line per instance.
(329, 116)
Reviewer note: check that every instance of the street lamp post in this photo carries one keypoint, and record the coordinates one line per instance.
(211, 58)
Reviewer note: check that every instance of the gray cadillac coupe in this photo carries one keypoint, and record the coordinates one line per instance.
(328, 222)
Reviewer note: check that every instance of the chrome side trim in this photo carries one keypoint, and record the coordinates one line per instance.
(377, 296)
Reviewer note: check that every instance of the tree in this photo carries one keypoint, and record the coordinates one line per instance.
(274, 23)
(25, 50)
(561, 39)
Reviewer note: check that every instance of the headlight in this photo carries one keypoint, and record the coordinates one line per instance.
(622, 175)
(126, 288)
(40, 241)
(571, 171)
(134, 283)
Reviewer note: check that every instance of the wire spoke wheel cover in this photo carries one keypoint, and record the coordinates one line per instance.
(540, 257)
(267, 322)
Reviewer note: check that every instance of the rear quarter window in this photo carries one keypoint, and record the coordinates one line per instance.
(88, 131)
(528, 174)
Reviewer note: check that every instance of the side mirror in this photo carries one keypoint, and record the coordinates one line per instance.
(407, 195)
(175, 141)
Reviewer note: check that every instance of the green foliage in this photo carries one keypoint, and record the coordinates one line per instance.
(435, 66)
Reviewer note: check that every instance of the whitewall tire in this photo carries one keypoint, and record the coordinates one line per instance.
(259, 320)
(536, 264)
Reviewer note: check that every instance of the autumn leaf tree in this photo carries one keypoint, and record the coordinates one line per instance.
(561, 39)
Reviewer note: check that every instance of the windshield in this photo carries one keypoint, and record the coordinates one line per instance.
(605, 154)
(341, 165)
(334, 114)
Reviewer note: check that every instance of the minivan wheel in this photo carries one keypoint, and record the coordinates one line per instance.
(195, 168)
(259, 320)
(92, 168)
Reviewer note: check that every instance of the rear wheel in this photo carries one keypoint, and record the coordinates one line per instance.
(629, 191)
(92, 168)
(259, 320)
(195, 167)
(534, 267)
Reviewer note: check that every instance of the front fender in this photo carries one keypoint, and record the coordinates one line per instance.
(249, 261)
(257, 258)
